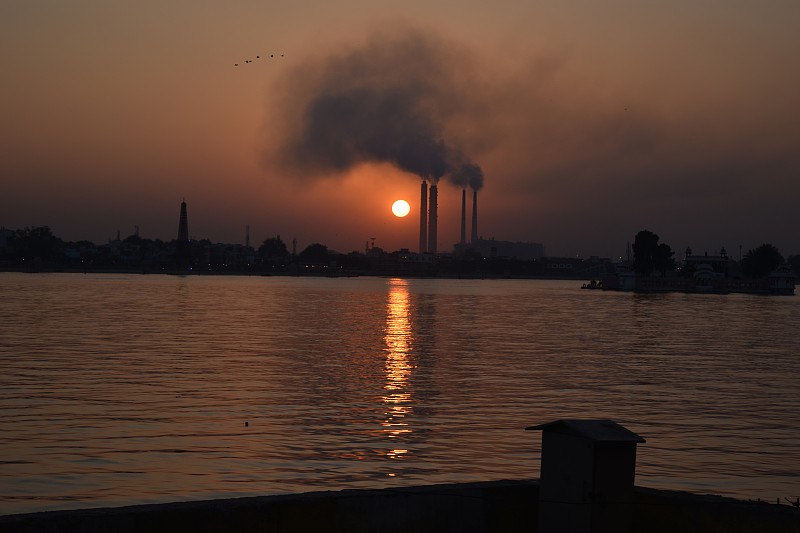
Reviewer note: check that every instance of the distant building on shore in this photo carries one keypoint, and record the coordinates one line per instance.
(718, 265)
(715, 274)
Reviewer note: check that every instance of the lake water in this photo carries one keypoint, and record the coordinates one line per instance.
(123, 389)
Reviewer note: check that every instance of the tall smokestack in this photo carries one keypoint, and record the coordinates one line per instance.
(474, 217)
(433, 219)
(463, 216)
(423, 217)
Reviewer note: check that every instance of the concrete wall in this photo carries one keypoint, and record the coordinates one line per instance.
(501, 506)
(658, 511)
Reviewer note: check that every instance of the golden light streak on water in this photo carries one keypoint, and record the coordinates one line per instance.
(398, 399)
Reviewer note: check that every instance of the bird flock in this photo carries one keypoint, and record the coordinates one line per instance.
(247, 61)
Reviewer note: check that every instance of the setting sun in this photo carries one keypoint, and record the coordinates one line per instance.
(400, 208)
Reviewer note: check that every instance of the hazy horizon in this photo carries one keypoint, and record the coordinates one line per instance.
(590, 122)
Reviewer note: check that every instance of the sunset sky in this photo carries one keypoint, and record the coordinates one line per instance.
(590, 120)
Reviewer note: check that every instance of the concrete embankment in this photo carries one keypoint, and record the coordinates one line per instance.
(507, 506)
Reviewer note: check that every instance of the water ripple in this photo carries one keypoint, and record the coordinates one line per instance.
(118, 390)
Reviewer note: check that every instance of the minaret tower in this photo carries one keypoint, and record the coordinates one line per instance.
(183, 225)
(423, 217)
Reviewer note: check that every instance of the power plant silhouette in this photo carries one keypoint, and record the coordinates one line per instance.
(429, 217)
(428, 231)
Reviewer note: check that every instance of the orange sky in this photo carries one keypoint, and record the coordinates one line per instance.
(591, 120)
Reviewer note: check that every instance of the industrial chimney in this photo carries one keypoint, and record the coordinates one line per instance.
(463, 217)
(433, 218)
(423, 217)
(474, 217)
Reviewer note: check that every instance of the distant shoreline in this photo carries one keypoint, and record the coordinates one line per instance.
(240, 273)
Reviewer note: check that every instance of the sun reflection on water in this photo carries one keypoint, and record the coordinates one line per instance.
(397, 396)
(378, 383)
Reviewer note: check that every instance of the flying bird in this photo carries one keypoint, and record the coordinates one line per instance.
(246, 61)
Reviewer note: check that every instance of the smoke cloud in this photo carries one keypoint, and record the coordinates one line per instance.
(388, 101)
(562, 138)
(468, 174)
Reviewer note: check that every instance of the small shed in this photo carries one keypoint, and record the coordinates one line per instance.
(587, 474)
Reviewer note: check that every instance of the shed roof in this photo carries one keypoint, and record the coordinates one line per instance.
(603, 430)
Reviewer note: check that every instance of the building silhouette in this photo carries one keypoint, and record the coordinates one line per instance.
(183, 224)
(423, 217)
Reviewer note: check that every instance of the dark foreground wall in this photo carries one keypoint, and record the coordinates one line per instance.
(507, 506)
(660, 511)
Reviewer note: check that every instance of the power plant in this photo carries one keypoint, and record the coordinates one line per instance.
(429, 217)
(490, 247)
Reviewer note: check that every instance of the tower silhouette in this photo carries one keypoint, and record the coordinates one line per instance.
(183, 225)
(474, 238)
(423, 217)
(463, 216)
(433, 217)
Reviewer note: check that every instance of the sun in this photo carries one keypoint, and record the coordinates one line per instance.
(400, 208)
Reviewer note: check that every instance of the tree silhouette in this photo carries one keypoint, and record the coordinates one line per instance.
(649, 255)
(273, 248)
(30, 243)
(315, 253)
(761, 261)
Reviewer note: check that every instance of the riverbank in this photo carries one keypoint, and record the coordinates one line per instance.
(508, 506)
(310, 273)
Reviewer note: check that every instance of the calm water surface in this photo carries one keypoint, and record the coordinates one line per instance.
(131, 389)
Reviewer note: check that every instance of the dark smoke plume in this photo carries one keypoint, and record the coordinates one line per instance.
(387, 101)
(468, 175)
